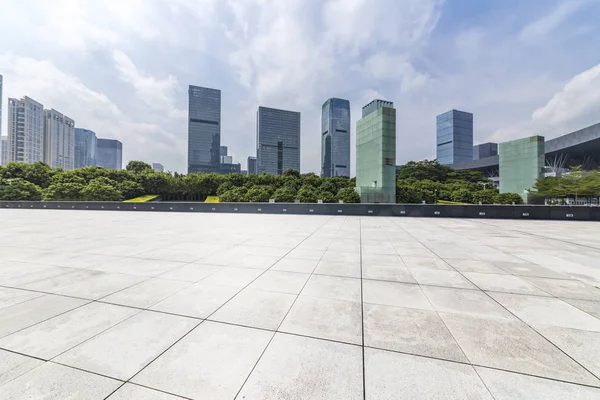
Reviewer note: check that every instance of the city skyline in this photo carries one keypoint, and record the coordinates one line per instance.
(128, 81)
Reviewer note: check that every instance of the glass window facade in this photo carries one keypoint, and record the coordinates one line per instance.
(85, 148)
(521, 164)
(485, 150)
(109, 153)
(277, 140)
(204, 129)
(59, 140)
(25, 130)
(251, 165)
(335, 138)
(454, 137)
(376, 154)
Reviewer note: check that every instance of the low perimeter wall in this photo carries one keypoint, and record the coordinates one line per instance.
(389, 210)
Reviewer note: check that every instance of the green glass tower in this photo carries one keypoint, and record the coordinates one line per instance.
(376, 153)
(521, 164)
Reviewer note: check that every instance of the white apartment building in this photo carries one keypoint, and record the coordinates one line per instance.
(25, 130)
(59, 140)
(4, 144)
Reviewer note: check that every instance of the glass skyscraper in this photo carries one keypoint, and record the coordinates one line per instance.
(109, 153)
(204, 129)
(277, 140)
(25, 130)
(521, 164)
(454, 137)
(335, 138)
(251, 165)
(485, 150)
(85, 148)
(59, 140)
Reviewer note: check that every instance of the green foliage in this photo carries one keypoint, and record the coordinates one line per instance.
(421, 170)
(259, 194)
(224, 187)
(101, 189)
(284, 194)
(577, 183)
(311, 179)
(64, 191)
(326, 196)
(19, 189)
(328, 186)
(484, 196)
(462, 195)
(308, 194)
(291, 173)
(130, 189)
(37, 173)
(348, 195)
(508, 198)
(235, 195)
(138, 167)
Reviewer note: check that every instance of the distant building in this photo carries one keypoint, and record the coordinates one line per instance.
(109, 153)
(226, 159)
(521, 164)
(59, 140)
(223, 151)
(204, 129)
(4, 153)
(229, 168)
(335, 138)
(485, 150)
(277, 140)
(251, 165)
(376, 153)
(454, 137)
(1, 125)
(244, 172)
(85, 148)
(25, 130)
(157, 167)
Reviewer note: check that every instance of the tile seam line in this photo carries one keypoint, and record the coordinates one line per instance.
(362, 311)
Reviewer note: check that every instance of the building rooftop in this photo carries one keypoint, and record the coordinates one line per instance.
(132, 305)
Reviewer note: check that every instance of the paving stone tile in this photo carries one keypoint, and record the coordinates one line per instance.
(425, 262)
(146, 293)
(192, 272)
(10, 297)
(338, 268)
(332, 287)
(301, 265)
(395, 294)
(467, 302)
(232, 276)
(13, 365)
(567, 288)
(436, 277)
(396, 273)
(131, 392)
(199, 300)
(479, 266)
(280, 281)
(503, 283)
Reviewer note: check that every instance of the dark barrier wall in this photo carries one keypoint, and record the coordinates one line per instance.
(398, 210)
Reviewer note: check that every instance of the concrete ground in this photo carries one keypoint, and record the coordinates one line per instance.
(126, 305)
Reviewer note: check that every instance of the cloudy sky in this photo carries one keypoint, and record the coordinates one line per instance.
(122, 68)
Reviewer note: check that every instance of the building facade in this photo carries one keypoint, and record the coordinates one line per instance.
(59, 140)
(454, 137)
(4, 153)
(85, 148)
(335, 138)
(109, 154)
(1, 101)
(223, 151)
(25, 130)
(521, 164)
(158, 167)
(251, 165)
(204, 129)
(277, 140)
(485, 150)
(376, 153)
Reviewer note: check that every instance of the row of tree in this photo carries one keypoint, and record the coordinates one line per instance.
(576, 184)
(416, 182)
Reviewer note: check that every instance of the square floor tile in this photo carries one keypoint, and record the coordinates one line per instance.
(480, 266)
(199, 300)
(301, 265)
(10, 297)
(52, 381)
(409, 331)
(56, 335)
(13, 365)
(396, 273)
(213, 361)
(550, 311)
(256, 309)
(467, 302)
(589, 306)
(341, 256)
(503, 283)
(527, 269)
(135, 392)
(306, 254)
(395, 294)
(126, 348)
(100, 285)
(509, 386)
(298, 368)
(381, 259)
(567, 288)
(280, 281)
(233, 276)
(333, 287)
(325, 318)
(338, 268)
(147, 293)
(23, 315)
(255, 261)
(191, 272)
(138, 266)
(391, 375)
(436, 277)
(513, 346)
(425, 262)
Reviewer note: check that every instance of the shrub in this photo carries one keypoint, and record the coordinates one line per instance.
(307, 194)
(235, 195)
(284, 194)
(259, 194)
(508, 198)
(348, 195)
(19, 189)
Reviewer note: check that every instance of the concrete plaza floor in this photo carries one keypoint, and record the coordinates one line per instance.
(128, 305)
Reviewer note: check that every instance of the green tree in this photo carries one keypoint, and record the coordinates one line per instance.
(234, 195)
(37, 173)
(326, 196)
(89, 173)
(508, 198)
(19, 189)
(284, 194)
(348, 195)
(154, 182)
(291, 173)
(130, 189)
(236, 179)
(259, 194)
(484, 196)
(224, 187)
(101, 189)
(307, 194)
(311, 179)
(65, 191)
(426, 169)
(462, 195)
(328, 186)
(138, 167)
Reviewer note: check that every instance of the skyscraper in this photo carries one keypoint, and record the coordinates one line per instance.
(4, 154)
(59, 140)
(485, 150)
(223, 151)
(251, 165)
(376, 153)
(158, 167)
(25, 130)
(277, 140)
(85, 148)
(1, 100)
(204, 129)
(454, 137)
(109, 153)
(335, 138)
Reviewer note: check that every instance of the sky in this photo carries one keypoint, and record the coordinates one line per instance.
(122, 68)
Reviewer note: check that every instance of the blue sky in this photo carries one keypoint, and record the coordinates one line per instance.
(121, 68)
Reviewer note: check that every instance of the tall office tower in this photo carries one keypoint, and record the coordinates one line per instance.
(335, 138)
(59, 140)
(158, 167)
(251, 165)
(25, 130)
(85, 148)
(4, 153)
(204, 129)
(109, 153)
(277, 140)
(223, 151)
(376, 153)
(454, 137)
(485, 150)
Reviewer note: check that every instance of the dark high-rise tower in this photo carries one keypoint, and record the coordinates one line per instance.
(204, 129)
(277, 140)
(335, 138)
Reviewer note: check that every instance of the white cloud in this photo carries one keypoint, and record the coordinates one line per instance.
(547, 23)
